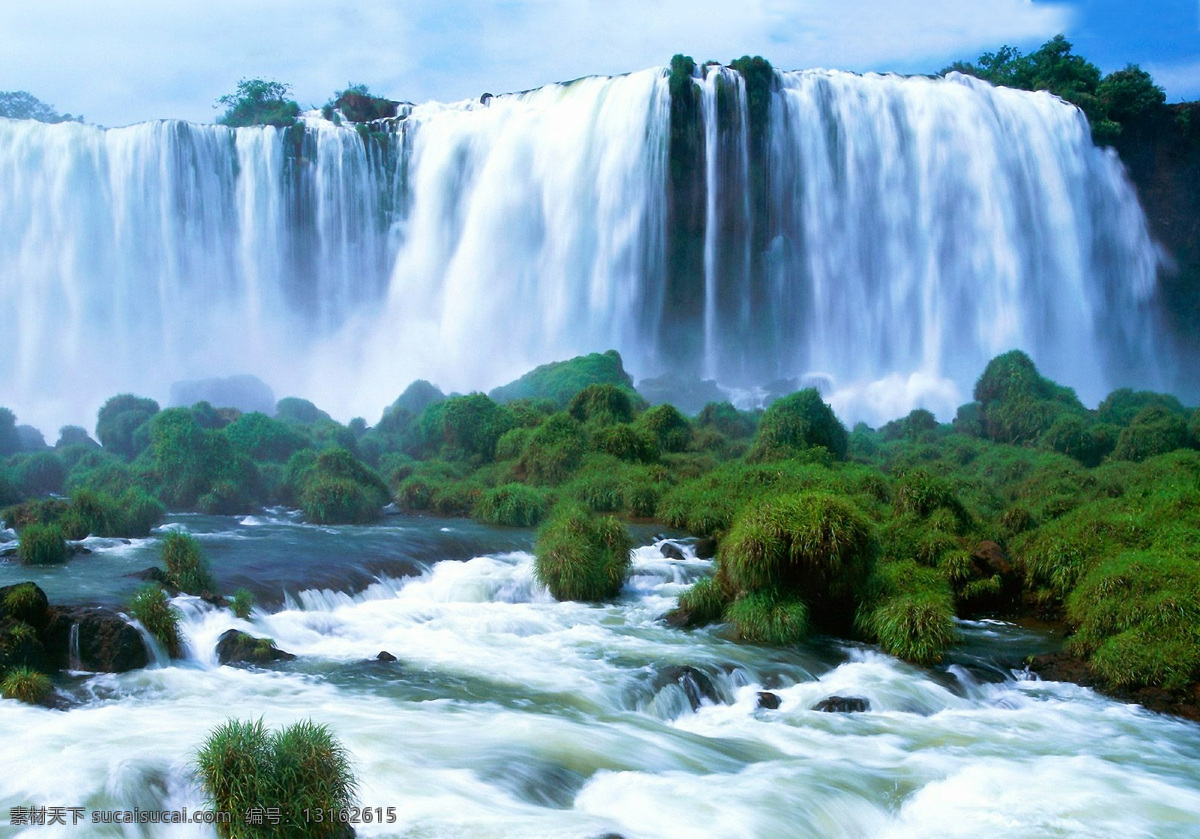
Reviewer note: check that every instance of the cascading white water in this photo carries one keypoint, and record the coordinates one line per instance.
(910, 229)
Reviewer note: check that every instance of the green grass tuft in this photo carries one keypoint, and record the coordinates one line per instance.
(42, 544)
(765, 617)
(153, 610)
(26, 685)
(187, 569)
(242, 602)
(581, 556)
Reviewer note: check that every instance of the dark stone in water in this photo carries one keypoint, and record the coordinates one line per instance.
(384, 655)
(768, 700)
(696, 684)
(235, 647)
(706, 548)
(671, 550)
(843, 705)
(152, 574)
(107, 643)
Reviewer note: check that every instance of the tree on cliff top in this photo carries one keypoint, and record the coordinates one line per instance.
(19, 104)
(258, 102)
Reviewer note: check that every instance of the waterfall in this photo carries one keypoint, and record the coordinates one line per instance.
(73, 660)
(888, 235)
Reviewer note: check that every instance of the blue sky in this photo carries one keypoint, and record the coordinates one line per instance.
(122, 61)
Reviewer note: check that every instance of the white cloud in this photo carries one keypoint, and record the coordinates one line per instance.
(118, 61)
(1180, 81)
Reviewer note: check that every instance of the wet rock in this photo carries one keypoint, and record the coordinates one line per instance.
(768, 700)
(236, 647)
(30, 607)
(843, 705)
(695, 683)
(989, 558)
(384, 655)
(706, 548)
(152, 575)
(671, 550)
(107, 643)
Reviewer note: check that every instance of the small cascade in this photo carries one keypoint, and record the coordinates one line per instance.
(73, 660)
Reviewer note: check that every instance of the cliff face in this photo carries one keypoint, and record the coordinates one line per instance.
(1163, 158)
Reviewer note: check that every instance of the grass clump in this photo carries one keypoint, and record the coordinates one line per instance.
(703, 603)
(512, 505)
(241, 603)
(765, 617)
(799, 421)
(910, 612)
(581, 556)
(302, 767)
(187, 569)
(1137, 619)
(813, 545)
(42, 544)
(1155, 430)
(26, 685)
(602, 404)
(25, 602)
(559, 381)
(153, 610)
(553, 451)
(667, 427)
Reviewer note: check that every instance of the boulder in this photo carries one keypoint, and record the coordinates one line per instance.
(696, 684)
(671, 550)
(385, 656)
(843, 705)
(706, 548)
(236, 647)
(107, 642)
(768, 700)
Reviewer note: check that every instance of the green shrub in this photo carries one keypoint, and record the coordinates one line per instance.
(120, 421)
(915, 627)
(329, 500)
(259, 102)
(625, 443)
(297, 769)
(920, 424)
(26, 685)
(910, 612)
(40, 473)
(187, 569)
(554, 450)
(602, 404)
(467, 427)
(666, 426)
(263, 438)
(512, 443)
(1194, 429)
(132, 515)
(1018, 405)
(766, 617)
(153, 610)
(1071, 435)
(922, 493)
(581, 556)
(512, 505)
(10, 441)
(704, 602)
(561, 380)
(297, 411)
(242, 602)
(1121, 406)
(41, 544)
(798, 421)
(814, 546)
(1154, 431)
(1137, 619)
(727, 419)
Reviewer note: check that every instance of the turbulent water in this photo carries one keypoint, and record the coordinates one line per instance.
(905, 230)
(511, 715)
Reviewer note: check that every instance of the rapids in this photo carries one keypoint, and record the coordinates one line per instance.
(511, 715)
